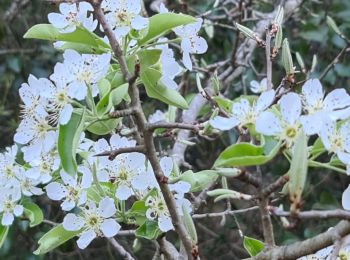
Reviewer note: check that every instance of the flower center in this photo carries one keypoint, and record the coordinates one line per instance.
(291, 132)
(337, 143)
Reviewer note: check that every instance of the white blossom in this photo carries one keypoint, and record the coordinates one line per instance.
(337, 140)
(170, 68)
(93, 222)
(285, 127)
(123, 15)
(72, 16)
(33, 103)
(191, 42)
(318, 106)
(81, 72)
(9, 168)
(158, 116)
(157, 210)
(243, 112)
(72, 192)
(9, 206)
(258, 87)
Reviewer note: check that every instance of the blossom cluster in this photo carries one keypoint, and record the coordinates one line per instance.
(311, 111)
(94, 197)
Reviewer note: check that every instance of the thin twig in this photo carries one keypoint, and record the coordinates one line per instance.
(223, 213)
(114, 153)
(120, 249)
(312, 214)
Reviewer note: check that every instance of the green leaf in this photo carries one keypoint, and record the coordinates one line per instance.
(246, 154)
(138, 211)
(161, 24)
(150, 78)
(148, 230)
(199, 180)
(189, 224)
(80, 47)
(68, 139)
(54, 238)
(252, 245)
(104, 127)
(298, 171)
(50, 33)
(33, 213)
(4, 230)
(224, 103)
(119, 94)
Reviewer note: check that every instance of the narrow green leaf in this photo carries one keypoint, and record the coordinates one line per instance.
(252, 245)
(4, 230)
(50, 33)
(161, 24)
(119, 94)
(150, 78)
(33, 213)
(104, 127)
(298, 171)
(68, 139)
(287, 58)
(54, 238)
(246, 154)
(189, 224)
(199, 180)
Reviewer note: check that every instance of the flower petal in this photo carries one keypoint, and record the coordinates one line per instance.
(290, 105)
(85, 238)
(72, 222)
(106, 207)
(110, 227)
(7, 219)
(56, 191)
(268, 124)
(165, 224)
(346, 198)
(223, 123)
(312, 92)
(265, 100)
(167, 164)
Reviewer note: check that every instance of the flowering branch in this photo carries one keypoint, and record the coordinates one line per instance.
(114, 153)
(142, 125)
(307, 246)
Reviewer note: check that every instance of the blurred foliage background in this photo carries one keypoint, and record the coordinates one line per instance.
(308, 34)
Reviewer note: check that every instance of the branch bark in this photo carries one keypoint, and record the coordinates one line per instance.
(308, 246)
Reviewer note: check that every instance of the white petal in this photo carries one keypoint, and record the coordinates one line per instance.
(336, 99)
(165, 224)
(56, 191)
(223, 123)
(268, 124)
(18, 210)
(110, 227)
(68, 179)
(312, 124)
(7, 219)
(66, 114)
(186, 59)
(327, 132)
(167, 164)
(290, 105)
(57, 20)
(265, 100)
(85, 238)
(123, 192)
(312, 92)
(68, 205)
(106, 207)
(346, 198)
(87, 178)
(198, 45)
(344, 131)
(139, 23)
(72, 222)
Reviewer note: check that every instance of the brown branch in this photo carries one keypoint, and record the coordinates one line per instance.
(114, 153)
(308, 246)
(268, 59)
(267, 191)
(193, 127)
(120, 249)
(223, 213)
(334, 61)
(167, 249)
(142, 125)
(122, 113)
(249, 178)
(312, 214)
